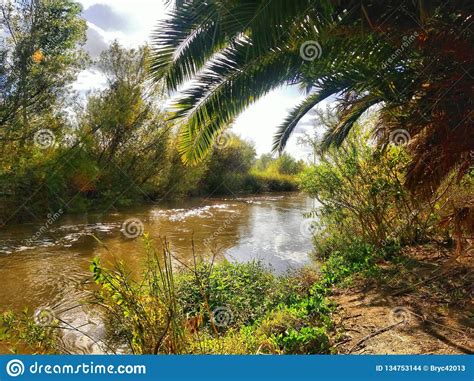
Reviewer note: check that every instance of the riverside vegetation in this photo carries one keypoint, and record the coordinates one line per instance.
(222, 307)
(114, 148)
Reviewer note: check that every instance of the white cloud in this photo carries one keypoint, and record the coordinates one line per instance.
(260, 122)
(89, 80)
(142, 16)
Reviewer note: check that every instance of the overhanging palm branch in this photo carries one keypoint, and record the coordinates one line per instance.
(236, 51)
(209, 107)
(339, 133)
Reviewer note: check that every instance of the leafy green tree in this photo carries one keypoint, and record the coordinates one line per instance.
(287, 165)
(40, 55)
(264, 161)
(128, 127)
(412, 59)
(361, 197)
(228, 166)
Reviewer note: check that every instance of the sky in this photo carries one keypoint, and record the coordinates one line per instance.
(131, 22)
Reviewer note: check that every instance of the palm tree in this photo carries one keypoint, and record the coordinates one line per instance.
(411, 59)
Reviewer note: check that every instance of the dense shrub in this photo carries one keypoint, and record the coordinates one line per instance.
(166, 312)
(247, 290)
(361, 197)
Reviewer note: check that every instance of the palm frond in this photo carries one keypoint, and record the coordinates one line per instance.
(337, 135)
(211, 106)
(287, 127)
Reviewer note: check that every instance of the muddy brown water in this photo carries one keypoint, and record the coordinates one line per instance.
(50, 269)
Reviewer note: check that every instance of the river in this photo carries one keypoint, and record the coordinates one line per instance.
(48, 266)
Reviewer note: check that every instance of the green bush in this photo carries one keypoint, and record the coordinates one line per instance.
(294, 329)
(21, 334)
(273, 182)
(246, 290)
(340, 265)
(362, 198)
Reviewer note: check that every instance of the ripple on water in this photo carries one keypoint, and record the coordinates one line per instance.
(62, 236)
(182, 214)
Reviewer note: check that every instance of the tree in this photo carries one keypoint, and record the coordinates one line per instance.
(40, 55)
(228, 166)
(361, 197)
(129, 128)
(412, 59)
(287, 165)
(264, 161)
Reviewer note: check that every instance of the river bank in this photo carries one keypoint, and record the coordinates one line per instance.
(348, 304)
(418, 302)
